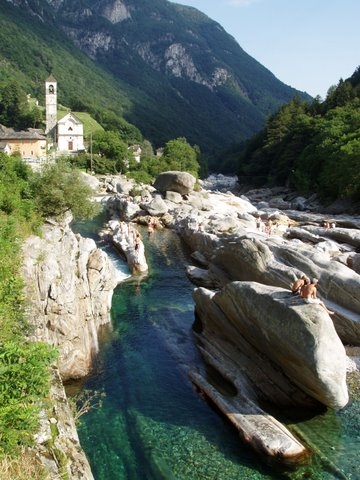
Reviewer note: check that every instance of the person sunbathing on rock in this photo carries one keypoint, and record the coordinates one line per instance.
(309, 294)
(298, 284)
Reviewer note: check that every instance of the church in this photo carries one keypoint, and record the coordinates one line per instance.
(66, 133)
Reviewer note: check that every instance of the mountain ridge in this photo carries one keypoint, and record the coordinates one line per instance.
(176, 71)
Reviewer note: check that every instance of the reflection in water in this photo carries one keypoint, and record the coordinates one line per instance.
(153, 425)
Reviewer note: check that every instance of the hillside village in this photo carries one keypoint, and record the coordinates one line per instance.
(61, 137)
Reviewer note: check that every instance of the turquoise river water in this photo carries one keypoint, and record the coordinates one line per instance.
(152, 423)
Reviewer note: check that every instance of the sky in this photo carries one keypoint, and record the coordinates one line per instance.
(307, 44)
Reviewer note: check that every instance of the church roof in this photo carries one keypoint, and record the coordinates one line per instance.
(51, 78)
(70, 116)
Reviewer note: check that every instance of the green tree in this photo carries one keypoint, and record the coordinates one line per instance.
(180, 155)
(127, 132)
(12, 101)
(16, 110)
(109, 145)
(58, 188)
(146, 149)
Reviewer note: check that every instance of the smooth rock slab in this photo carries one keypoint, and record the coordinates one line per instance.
(298, 337)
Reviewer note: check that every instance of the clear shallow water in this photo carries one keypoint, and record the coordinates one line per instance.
(152, 424)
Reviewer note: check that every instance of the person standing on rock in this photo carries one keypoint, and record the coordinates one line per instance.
(268, 227)
(309, 294)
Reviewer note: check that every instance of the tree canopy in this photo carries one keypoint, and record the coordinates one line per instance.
(16, 108)
(311, 147)
(58, 189)
(178, 155)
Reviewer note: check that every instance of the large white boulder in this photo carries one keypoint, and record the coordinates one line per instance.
(181, 182)
(300, 338)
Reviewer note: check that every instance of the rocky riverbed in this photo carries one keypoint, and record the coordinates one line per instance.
(271, 346)
(263, 345)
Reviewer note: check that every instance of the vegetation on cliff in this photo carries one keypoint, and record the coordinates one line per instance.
(24, 365)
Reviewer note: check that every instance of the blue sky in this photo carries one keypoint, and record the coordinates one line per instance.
(307, 44)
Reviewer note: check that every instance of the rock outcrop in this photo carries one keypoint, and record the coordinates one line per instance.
(298, 337)
(250, 256)
(267, 345)
(128, 242)
(68, 284)
(57, 442)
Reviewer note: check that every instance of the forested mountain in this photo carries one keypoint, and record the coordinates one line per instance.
(166, 68)
(310, 146)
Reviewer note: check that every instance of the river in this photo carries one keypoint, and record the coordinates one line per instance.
(152, 424)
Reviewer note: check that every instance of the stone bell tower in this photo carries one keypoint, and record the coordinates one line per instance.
(51, 105)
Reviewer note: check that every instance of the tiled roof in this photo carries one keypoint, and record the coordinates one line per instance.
(12, 135)
(51, 78)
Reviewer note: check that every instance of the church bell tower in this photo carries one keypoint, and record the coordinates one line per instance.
(51, 105)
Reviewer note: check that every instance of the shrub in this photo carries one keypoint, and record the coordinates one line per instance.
(24, 381)
(59, 189)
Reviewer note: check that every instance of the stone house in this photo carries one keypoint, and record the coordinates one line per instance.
(136, 151)
(30, 144)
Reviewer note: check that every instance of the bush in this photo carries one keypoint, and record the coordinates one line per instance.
(24, 366)
(24, 381)
(59, 189)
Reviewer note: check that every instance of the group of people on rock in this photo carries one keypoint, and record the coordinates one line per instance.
(308, 291)
(266, 227)
(328, 225)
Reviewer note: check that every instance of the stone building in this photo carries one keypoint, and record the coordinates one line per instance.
(30, 144)
(67, 134)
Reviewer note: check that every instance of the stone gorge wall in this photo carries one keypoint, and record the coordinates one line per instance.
(68, 284)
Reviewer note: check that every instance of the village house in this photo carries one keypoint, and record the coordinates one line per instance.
(30, 144)
(136, 151)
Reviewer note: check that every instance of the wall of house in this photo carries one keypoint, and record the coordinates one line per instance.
(28, 148)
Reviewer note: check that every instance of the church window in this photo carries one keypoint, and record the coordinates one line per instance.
(51, 89)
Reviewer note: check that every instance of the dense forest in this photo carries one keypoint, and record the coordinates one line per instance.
(310, 146)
